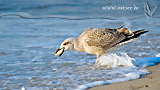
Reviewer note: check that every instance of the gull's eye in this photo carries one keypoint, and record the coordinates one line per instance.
(67, 43)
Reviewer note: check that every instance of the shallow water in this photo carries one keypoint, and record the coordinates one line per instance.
(28, 43)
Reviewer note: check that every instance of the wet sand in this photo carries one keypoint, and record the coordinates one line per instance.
(147, 82)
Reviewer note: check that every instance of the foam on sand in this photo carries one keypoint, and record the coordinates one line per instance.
(133, 68)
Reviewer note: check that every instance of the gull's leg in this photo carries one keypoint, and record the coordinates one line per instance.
(121, 26)
(97, 61)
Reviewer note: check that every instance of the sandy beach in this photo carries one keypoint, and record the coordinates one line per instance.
(147, 82)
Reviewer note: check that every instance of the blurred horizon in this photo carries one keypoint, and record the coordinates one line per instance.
(77, 8)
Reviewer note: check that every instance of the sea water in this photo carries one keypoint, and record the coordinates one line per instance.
(30, 33)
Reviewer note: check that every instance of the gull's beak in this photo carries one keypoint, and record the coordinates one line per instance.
(59, 52)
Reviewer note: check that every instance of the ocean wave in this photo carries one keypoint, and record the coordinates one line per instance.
(29, 16)
(87, 77)
(128, 76)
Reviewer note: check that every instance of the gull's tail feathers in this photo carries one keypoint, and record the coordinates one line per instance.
(131, 38)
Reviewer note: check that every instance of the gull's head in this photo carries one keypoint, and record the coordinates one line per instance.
(67, 44)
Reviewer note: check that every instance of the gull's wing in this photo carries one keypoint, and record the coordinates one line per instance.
(104, 38)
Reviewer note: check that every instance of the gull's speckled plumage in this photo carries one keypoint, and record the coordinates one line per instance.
(97, 41)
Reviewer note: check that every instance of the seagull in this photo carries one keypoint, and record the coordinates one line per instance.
(100, 41)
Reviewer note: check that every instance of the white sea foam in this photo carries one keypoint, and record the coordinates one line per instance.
(158, 55)
(116, 60)
(22, 88)
(130, 74)
(133, 68)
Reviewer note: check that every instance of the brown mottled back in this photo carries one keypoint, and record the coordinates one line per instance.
(104, 38)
